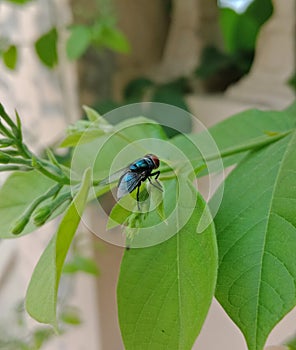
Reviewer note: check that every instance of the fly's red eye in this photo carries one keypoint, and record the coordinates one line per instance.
(155, 160)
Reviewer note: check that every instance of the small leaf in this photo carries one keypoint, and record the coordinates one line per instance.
(105, 34)
(114, 39)
(10, 57)
(46, 48)
(52, 157)
(41, 298)
(92, 114)
(40, 337)
(84, 131)
(70, 315)
(78, 42)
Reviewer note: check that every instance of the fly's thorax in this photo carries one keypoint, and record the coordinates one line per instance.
(143, 164)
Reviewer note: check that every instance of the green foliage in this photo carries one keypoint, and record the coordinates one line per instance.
(16, 195)
(78, 42)
(219, 68)
(10, 57)
(41, 298)
(141, 89)
(292, 81)
(240, 30)
(222, 67)
(171, 92)
(15, 155)
(165, 290)
(101, 34)
(256, 230)
(46, 48)
(84, 132)
(105, 34)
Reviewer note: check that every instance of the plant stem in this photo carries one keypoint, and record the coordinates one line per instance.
(57, 178)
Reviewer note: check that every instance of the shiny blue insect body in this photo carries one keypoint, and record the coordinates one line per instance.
(136, 173)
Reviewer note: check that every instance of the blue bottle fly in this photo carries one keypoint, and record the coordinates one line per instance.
(131, 177)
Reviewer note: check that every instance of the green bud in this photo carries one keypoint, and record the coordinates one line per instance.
(42, 214)
(4, 158)
(20, 224)
(6, 143)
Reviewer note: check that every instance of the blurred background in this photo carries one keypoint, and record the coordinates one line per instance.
(211, 58)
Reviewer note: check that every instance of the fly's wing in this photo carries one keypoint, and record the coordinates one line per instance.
(128, 183)
(114, 177)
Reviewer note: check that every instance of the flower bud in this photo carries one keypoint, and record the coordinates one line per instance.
(42, 214)
(20, 224)
(6, 142)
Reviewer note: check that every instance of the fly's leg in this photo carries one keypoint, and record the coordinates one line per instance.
(156, 174)
(138, 192)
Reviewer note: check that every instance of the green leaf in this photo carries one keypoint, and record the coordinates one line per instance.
(16, 195)
(78, 42)
(235, 27)
(46, 48)
(10, 57)
(233, 137)
(240, 30)
(84, 131)
(39, 337)
(81, 264)
(41, 298)
(93, 115)
(256, 232)
(107, 35)
(164, 291)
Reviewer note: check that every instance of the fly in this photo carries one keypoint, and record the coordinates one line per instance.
(133, 175)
